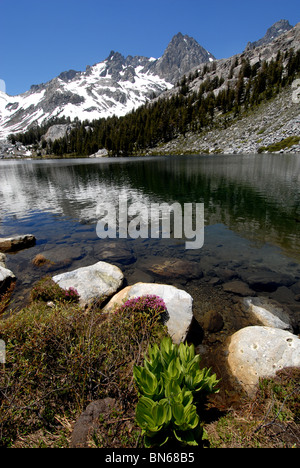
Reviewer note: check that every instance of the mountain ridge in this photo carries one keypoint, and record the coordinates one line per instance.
(119, 71)
(276, 30)
(114, 86)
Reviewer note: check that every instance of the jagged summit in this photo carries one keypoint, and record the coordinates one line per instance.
(182, 54)
(114, 86)
(119, 84)
(278, 28)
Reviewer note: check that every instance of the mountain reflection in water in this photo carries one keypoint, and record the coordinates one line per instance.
(252, 211)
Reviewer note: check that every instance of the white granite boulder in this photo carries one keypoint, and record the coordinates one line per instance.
(97, 281)
(256, 352)
(268, 312)
(6, 278)
(178, 302)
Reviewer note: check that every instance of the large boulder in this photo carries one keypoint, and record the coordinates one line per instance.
(268, 312)
(56, 132)
(256, 352)
(12, 244)
(178, 302)
(97, 281)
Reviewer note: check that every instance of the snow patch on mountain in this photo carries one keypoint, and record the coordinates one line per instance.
(115, 86)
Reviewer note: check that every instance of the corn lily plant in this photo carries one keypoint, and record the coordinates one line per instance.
(169, 384)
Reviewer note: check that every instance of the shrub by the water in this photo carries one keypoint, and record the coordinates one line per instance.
(150, 305)
(47, 290)
(61, 358)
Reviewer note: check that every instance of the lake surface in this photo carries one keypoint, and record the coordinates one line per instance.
(252, 219)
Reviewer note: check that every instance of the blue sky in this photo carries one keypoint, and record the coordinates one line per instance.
(42, 38)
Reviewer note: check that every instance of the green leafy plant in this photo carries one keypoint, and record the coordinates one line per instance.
(170, 383)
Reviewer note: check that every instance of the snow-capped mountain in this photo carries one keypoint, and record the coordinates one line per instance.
(114, 86)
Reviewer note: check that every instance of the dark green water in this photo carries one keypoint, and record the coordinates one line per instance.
(252, 214)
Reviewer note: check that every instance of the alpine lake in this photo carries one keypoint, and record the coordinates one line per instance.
(251, 235)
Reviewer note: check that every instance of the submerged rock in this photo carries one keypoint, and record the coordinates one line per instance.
(269, 281)
(97, 281)
(178, 302)
(116, 253)
(268, 312)
(237, 287)
(12, 244)
(174, 268)
(212, 322)
(256, 352)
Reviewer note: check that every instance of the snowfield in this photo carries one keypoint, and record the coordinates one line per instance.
(99, 95)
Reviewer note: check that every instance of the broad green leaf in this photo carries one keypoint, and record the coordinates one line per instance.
(153, 417)
(160, 414)
(153, 360)
(168, 351)
(186, 437)
(174, 393)
(186, 353)
(144, 413)
(158, 440)
(191, 417)
(178, 413)
(173, 372)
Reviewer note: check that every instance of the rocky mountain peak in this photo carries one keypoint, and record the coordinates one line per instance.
(68, 75)
(278, 28)
(115, 57)
(182, 54)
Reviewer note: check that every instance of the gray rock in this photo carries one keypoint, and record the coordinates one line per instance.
(257, 352)
(178, 302)
(57, 131)
(175, 268)
(115, 252)
(12, 244)
(89, 421)
(237, 287)
(101, 153)
(269, 281)
(94, 282)
(270, 313)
